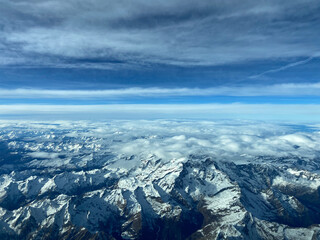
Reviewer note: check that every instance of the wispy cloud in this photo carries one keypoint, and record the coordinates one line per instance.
(289, 89)
(186, 33)
(283, 67)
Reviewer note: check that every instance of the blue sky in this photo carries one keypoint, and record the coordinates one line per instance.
(159, 52)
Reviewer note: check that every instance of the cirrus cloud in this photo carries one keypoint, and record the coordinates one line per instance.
(112, 34)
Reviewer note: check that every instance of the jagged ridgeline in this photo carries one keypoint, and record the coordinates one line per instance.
(159, 180)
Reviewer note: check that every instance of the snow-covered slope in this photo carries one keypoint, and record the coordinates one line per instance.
(159, 180)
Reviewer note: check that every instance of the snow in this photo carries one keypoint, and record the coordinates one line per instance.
(48, 186)
(298, 178)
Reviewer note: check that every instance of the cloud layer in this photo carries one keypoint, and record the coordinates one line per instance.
(167, 140)
(277, 112)
(289, 89)
(115, 34)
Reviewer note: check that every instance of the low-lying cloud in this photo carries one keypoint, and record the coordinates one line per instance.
(133, 141)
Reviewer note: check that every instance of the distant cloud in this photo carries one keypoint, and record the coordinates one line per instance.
(168, 140)
(288, 89)
(278, 112)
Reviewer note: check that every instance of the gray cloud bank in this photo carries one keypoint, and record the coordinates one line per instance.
(112, 34)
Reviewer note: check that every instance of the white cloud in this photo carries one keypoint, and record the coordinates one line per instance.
(173, 140)
(43, 155)
(288, 89)
(222, 140)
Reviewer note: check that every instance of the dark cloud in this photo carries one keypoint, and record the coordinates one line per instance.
(98, 34)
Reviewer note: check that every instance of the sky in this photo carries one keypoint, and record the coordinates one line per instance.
(194, 59)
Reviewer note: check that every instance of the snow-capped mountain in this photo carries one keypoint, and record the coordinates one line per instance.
(159, 180)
